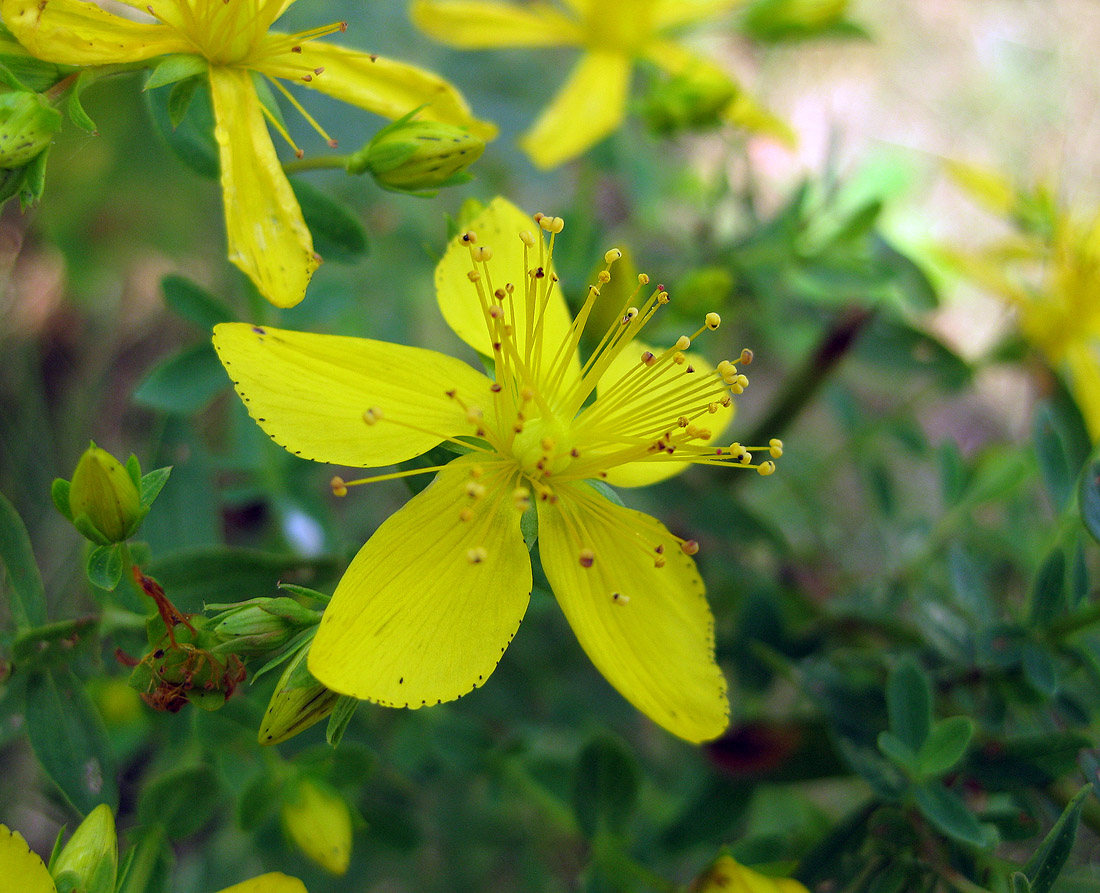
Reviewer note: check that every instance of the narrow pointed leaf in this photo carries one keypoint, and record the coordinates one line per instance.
(28, 598)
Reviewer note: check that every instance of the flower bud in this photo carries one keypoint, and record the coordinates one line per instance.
(318, 820)
(104, 502)
(692, 100)
(89, 861)
(299, 701)
(777, 20)
(417, 156)
(727, 875)
(27, 126)
(261, 625)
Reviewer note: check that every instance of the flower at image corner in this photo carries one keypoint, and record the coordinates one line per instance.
(22, 870)
(428, 606)
(614, 36)
(727, 875)
(268, 237)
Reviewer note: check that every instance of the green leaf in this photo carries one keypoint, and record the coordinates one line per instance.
(191, 137)
(69, 741)
(1090, 499)
(258, 801)
(1020, 883)
(149, 868)
(59, 493)
(30, 73)
(184, 383)
(182, 801)
(176, 67)
(28, 598)
(945, 745)
(338, 235)
(947, 812)
(104, 566)
(909, 703)
(194, 303)
(338, 721)
(76, 109)
(180, 98)
(152, 483)
(1048, 592)
(1053, 449)
(605, 786)
(1039, 669)
(897, 750)
(1046, 864)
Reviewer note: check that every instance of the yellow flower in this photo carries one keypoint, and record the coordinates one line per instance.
(613, 35)
(318, 820)
(727, 875)
(23, 870)
(430, 603)
(1049, 273)
(229, 39)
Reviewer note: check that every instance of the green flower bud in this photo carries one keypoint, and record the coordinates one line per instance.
(318, 820)
(261, 625)
(27, 126)
(104, 503)
(777, 20)
(89, 861)
(693, 100)
(299, 701)
(417, 156)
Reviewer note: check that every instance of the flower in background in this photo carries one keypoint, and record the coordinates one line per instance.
(430, 603)
(614, 36)
(727, 875)
(231, 43)
(1048, 271)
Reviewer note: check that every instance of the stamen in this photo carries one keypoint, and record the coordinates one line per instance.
(301, 111)
(689, 547)
(586, 558)
(477, 555)
(619, 599)
(766, 468)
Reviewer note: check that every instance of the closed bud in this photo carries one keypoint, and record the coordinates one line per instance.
(27, 127)
(89, 861)
(417, 156)
(104, 503)
(778, 20)
(727, 875)
(318, 821)
(261, 625)
(692, 100)
(299, 702)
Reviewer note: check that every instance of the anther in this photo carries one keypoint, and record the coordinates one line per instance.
(473, 415)
(678, 358)
(469, 237)
(713, 321)
(499, 294)
(746, 357)
(474, 490)
(643, 279)
(712, 408)
(647, 358)
(552, 224)
(476, 555)
(495, 387)
(466, 515)
(603, 277)
(775, 447)
(586, 557)
(521, 498)
(371, 416)
(630, 315)
(746, 457)
(528, 238)
(660, 561)
(575, 453)
(481, 253)
(662, 297)
(683, 342)
(766, 468)
(611, 256)
(689, 547)
(619, 598)
(682, 422)
(494, 311)
(339, 488)
(473, 276)
(476, 471)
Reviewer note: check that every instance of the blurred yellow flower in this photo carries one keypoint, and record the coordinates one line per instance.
(727, 875)
(613, 35)
(318, 820)
(1048, 271)
(430, 603)
(232, 43)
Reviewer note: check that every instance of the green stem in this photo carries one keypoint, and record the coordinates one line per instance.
(609, 851)
(321, 162)
(803, 385)
(560, 815)
(88, 76)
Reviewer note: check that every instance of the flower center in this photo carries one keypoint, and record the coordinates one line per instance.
(627, 29)
(543, 448)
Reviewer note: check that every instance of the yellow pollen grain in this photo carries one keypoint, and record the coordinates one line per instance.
(660, 561)
(476, 555)
(466, 515)
(619, 599)
(586, 558)
(474, 490)
(603, 277)
(371, 416)
(521, 498)
(339, 488)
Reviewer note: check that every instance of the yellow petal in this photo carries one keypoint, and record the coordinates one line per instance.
(1084, 371)
(268, 239)
(309, 393)
(21, 869)
(672, 13)
(498, 228)
(429, 604)
(609, 413)
(274, 882)
(75, 33)
(654, 640)
(476, 24)
(379, 85)
(585, 110)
